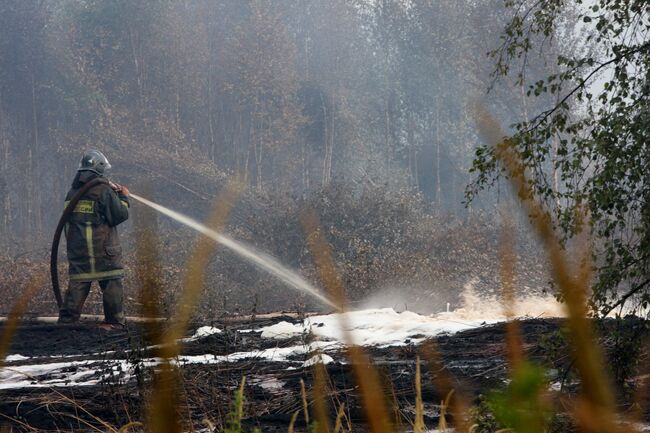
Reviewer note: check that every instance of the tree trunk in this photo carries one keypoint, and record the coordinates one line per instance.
(555, 143)
(237, 137)
(258, 162)
(470, 210)
(305, 168)
(34, 218)
(258, 140)
(327, 141)
(330, 152)
(6, 197)
(138, 69)
(438, 178)
(387, 133)
(556, 176)
(417, 168)
(210, 115)
(412, 158)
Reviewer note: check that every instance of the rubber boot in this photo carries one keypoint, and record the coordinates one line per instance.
(73, 301)
(113, 298)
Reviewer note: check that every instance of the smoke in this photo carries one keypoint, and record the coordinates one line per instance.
(468, 305)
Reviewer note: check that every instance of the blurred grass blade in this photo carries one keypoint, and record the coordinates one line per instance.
(305, 406)
(339, 418)
(418, 425)
(366, 376)
(17, 311)
(126, 427)
(596, 390)
(442, 422)
(163, 413)
(292, 423)
(148, 271)
(320, 394)
(195, 269)
(507, 273)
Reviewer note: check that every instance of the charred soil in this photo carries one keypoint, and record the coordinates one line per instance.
(117, 372)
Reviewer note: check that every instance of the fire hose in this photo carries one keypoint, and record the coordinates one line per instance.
(54, 271)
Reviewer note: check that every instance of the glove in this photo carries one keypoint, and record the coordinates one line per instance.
(120, 189)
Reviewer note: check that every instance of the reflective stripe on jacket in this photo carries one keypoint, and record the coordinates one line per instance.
(93, 245)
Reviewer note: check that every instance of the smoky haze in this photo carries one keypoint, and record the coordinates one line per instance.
(361, 110)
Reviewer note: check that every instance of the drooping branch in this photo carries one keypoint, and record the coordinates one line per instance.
(626, 296)
(540, 119)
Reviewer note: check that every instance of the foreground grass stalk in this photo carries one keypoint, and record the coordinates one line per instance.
(233, 421)
(366, 376)
(596, 401)
(163, 415)
(305, 406)
(442, 422)
(339, 418)
(148, 274)
(418, 425)
(507, 273)
(320, 397)
(17, 311)
(195, 270)
(126, 427)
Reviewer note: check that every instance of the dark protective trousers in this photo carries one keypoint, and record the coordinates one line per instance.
(75, 296)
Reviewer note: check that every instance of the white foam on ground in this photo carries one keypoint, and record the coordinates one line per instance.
(321, 358)
(57, 374)
(371, 327)
(92, 372)
(283, 330)
(267, 382)
(374, 327)
(386, 327)
(273, 354)
(203, 331)
(16, 357)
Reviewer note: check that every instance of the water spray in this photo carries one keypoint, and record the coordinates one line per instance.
(258, 258)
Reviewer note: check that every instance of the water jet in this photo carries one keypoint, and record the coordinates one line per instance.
(258, 258)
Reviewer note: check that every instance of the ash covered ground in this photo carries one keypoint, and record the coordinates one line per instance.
(69, 377)
(66, 366)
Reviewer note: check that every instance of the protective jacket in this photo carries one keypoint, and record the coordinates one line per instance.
(93, 245)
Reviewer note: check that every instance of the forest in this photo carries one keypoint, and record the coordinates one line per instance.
(345, 106)
(463, 182)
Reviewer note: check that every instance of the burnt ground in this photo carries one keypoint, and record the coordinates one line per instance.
(474, 359)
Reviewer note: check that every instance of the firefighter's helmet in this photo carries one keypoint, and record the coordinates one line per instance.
(95, 161)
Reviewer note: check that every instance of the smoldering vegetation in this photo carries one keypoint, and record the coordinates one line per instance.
(360, 110)
(390, 249)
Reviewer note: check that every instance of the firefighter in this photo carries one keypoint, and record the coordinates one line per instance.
(93, 246)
